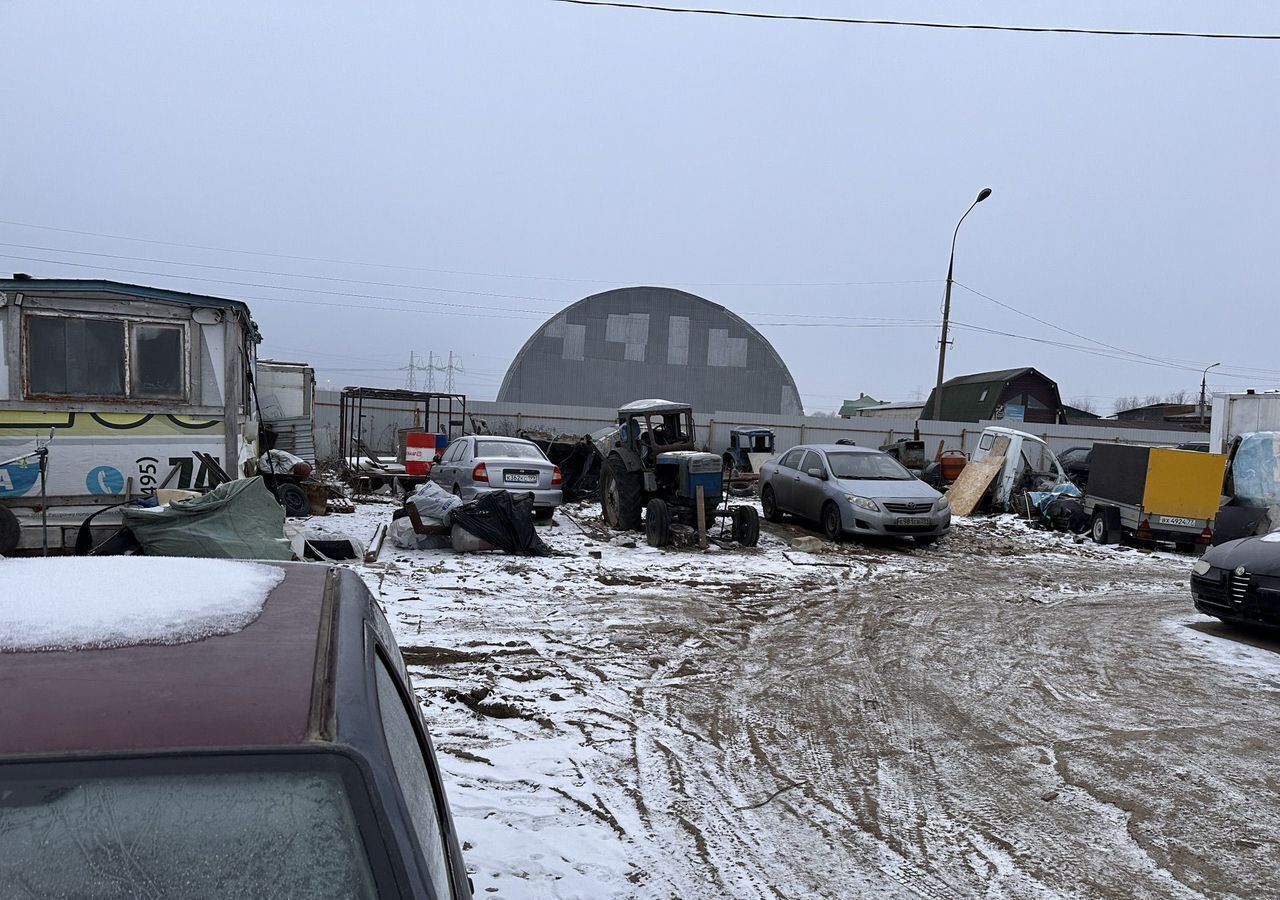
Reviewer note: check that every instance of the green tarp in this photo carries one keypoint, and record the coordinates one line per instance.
(237, 520)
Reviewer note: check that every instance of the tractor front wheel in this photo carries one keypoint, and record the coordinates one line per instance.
(620, 495)
(657, 523)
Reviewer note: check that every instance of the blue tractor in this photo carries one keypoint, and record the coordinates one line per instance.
(652, 472)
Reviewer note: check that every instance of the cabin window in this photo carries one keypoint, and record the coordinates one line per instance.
(157, 361)
(70, 357)
(86, 357)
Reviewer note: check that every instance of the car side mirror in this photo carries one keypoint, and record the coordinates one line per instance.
(820, 474)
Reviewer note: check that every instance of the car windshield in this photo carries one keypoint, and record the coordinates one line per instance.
(186, 836)
(507, 450)
(866, 467)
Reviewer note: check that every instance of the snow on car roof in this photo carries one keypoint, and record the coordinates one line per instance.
(81, 603)
(643, 406)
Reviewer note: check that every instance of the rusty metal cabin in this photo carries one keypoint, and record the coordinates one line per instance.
(133, 382)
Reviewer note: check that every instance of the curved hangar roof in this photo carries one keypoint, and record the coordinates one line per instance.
(613, 347)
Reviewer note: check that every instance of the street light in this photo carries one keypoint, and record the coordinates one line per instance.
(946, 306)
(1203, 378)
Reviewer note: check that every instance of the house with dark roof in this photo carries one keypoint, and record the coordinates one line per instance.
(1016, 395)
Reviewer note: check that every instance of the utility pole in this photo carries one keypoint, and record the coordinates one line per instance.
(946, 308)
(431, 371)
(1203, 379)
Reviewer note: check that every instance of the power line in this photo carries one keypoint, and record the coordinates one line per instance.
(193, 265)
(278, 287)
(1192, 365)
(950, 26)
(406, 268)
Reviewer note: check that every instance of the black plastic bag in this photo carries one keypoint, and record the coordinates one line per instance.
(1067, 514)
(504, 520)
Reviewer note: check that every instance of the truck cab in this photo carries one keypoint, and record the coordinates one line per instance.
(1029, 464)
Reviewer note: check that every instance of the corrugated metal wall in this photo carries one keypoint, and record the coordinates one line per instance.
(382, 420)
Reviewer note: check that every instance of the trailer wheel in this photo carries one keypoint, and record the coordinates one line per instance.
(746, 525)
(657, 523)
(293, 499)
(10, 531)
(1100, 529)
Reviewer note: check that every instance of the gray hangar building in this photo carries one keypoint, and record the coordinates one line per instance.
(639, 342)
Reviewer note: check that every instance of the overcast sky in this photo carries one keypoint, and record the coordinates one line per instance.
(1135, 179)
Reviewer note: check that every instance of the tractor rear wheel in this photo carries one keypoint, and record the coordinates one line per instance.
(620, 495)
(746, 525)
(657, 523)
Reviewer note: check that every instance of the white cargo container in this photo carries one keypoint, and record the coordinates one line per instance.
(1237, 414)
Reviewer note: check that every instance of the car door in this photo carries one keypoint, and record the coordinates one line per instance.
(413, 765)
(810, 492)
(784, 478)
(440, 471)
(457, 452)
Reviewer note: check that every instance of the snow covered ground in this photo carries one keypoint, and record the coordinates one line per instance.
(1009, 714)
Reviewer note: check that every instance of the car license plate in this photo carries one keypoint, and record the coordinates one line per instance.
(909, 521)
(1176, 520)
(520, 477)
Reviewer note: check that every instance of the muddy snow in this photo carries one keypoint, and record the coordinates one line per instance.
(1008, 713)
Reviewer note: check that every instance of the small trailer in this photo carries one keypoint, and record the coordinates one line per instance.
(127, 389)
(1153, 494)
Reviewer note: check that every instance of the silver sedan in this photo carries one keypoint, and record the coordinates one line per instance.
(477, 464)
(852, 490)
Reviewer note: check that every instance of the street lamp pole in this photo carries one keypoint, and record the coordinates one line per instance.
(1203, 379)
(946, 308)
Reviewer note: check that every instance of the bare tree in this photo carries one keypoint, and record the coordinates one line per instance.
(1178, 397)
(1126, 403)
(1085, 404)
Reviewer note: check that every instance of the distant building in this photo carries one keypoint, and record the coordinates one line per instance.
(906, 409)
(1159, 412)
(851, 408)
(632, 343)
(1016, 395)
(1076, 416)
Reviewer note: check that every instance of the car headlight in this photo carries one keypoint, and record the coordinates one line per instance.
(942, 505)
(863, 502)
(1201, 567)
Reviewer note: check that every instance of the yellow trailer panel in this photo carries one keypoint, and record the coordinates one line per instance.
(1183, 483)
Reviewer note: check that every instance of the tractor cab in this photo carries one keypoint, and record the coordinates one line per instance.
(752, 440)
(650, 427)
(653, 472)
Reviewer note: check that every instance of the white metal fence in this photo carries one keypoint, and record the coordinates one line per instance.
(383, 420)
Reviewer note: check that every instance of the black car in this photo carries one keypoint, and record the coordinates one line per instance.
(1075, 463)
(1239, 581)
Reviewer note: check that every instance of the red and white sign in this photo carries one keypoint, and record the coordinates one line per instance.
(420, 451)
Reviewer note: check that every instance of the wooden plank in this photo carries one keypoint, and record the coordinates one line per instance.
(971, 486)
